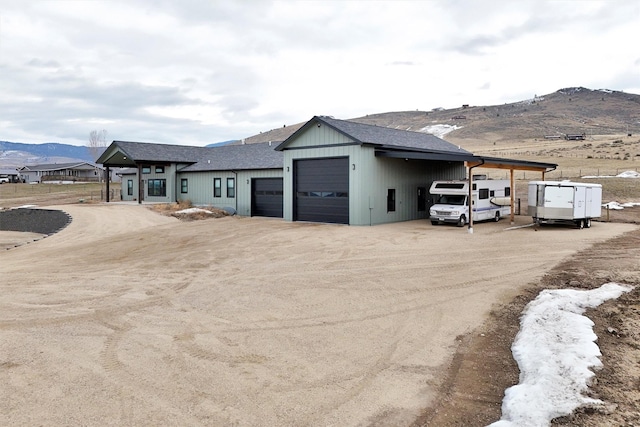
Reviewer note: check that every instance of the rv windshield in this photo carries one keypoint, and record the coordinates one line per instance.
(451, 199)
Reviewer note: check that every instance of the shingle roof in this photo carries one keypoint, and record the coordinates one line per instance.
(226, 157)
(382, 136)
(151, 152)
(239, 157)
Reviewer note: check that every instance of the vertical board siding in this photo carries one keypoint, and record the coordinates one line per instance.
(201, 188)
(315, 136)
(353, 152)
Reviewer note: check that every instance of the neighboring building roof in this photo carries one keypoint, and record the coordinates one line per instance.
(5, 171)
(239, 157)
(380, 136)
(59, 166)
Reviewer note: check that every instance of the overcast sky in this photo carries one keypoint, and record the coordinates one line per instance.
(197, 72)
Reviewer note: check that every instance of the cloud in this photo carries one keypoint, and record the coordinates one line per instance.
(199, 72)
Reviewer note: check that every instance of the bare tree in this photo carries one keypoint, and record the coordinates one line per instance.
(97, 143)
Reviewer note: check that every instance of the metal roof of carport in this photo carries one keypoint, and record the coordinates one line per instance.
(470, 160)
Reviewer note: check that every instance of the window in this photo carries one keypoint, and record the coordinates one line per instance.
(507, 191)
(159, 169)
(130, 187)
(391, 200)
(231, 187)
(157, 187)
(146, 169)
(184, 185)
(483, 193)
(217, 187)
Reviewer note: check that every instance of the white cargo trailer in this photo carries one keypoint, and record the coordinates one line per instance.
(564, 201)
(491, 201)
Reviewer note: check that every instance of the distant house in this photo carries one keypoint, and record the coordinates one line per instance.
(9, 175)
(74, 172)
(575, 137)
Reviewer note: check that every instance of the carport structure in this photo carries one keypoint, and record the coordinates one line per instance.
(471, 162)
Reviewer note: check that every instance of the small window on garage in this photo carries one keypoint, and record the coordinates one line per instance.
(184, 185)
(483, 193)
(231, 187)
(391, 200)
(217, 187)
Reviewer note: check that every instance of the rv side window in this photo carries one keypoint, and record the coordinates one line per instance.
(507, 191)
(483, 193)
(492, 193)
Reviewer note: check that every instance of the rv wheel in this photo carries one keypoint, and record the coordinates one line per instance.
(462, 221)
(587, 223)
(434, 222)
(580, 224)
(497, 216)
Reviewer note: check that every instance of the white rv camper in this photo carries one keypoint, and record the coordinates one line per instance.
(491, 201)
(564, 201)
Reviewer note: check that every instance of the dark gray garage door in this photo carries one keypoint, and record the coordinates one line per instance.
(266, 197)
(321, 189)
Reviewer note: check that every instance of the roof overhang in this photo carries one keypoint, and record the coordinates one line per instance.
(424, 155)
(469, 159)
(510, 164)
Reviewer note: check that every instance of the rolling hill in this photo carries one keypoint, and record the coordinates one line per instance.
(567, 111)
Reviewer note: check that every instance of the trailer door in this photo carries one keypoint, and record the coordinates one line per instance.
(588, 202)
(558, 197)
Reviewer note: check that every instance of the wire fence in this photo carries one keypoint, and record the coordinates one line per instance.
(568, 173)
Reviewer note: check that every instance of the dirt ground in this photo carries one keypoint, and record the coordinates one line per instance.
(129, 317)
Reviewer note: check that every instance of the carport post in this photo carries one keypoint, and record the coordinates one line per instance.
(513, 198)
(106, 178)
(470, 219)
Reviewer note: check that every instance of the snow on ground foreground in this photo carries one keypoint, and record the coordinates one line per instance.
(555, 351)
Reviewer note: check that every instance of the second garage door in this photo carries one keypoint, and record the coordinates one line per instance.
(266, 197)
(321, 190)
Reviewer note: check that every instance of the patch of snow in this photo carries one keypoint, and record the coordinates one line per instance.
(439, 130)
(626, 174)
(555, 350)
(193, 210)
(615, 206)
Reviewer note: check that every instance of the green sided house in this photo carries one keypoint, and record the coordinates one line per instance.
(329, 170)
(247, 178)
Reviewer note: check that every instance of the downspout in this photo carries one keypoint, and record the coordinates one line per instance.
(237, 184)
(470, 201)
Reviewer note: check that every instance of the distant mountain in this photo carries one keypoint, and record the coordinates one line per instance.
(219, 144)
(17, 154)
